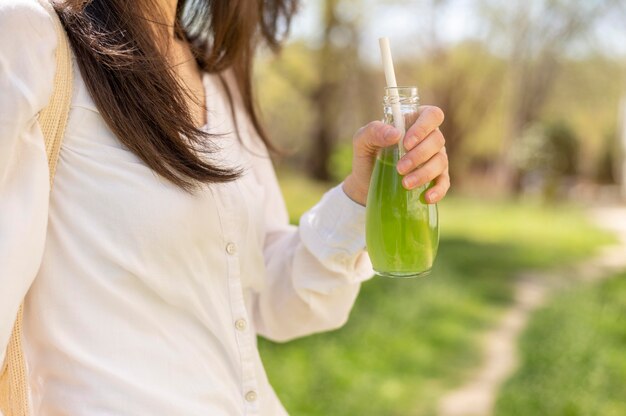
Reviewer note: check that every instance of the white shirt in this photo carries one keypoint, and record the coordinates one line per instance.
(144, 299)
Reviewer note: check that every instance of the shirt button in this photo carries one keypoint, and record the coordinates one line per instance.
(241, 324)
(251, 396)
(231, 248)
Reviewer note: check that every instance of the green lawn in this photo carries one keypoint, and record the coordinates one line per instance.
(408, 341)
(573, 356)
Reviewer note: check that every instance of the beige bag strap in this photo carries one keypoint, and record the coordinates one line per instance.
(14, 391)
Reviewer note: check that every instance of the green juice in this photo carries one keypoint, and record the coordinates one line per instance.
(402, 231)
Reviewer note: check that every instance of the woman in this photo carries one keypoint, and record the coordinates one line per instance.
(165, 246)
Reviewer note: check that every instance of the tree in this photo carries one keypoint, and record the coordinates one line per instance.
(536, 35)
(337, 57)
(463, 80)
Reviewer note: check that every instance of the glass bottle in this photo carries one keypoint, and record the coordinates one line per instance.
(402, 230)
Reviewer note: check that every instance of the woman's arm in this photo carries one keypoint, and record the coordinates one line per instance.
(27, 64)
(313, 271)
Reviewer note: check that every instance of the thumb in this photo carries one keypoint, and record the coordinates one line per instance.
(371, 137)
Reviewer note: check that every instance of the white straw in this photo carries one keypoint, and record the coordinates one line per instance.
(390, 76)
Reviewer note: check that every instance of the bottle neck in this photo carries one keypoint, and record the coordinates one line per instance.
(400, 106)
(404, 108)
(404, 99)
(402, 95)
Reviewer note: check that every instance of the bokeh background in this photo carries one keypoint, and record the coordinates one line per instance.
(534, 93)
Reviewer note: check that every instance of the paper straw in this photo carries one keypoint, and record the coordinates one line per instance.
(390, 76)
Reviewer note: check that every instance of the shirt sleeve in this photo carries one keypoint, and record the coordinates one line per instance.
(27, 65)
(314, 271)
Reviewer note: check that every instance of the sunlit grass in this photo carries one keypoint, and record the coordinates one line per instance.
(408, 341)
(548, 234)
(573, 360)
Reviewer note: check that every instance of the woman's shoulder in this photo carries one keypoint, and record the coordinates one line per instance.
(28, 43)
(27, 21)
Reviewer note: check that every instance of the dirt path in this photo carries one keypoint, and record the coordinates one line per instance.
(477, 396)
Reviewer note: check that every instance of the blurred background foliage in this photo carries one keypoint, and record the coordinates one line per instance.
(532, 93)
(530, 67)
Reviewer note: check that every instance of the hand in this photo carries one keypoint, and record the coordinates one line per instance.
(426, 159)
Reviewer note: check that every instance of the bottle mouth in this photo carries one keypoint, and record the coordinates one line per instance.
(403, 95)
(407, 89)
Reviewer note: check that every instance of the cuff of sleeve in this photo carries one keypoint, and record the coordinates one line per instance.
(334, 231)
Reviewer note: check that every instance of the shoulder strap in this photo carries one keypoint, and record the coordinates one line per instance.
(53, 118)
(14, 391)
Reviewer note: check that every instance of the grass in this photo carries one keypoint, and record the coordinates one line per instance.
(541, 235)
(409, 341)
(573, 361)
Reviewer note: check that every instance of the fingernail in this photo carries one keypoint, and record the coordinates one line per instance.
(410, 142)
(403, 166)
(409, 182)
(432, 197)
(391, 133)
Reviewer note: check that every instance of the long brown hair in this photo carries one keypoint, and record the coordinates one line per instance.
(135, 89)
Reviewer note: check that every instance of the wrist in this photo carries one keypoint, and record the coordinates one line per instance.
(354, 191)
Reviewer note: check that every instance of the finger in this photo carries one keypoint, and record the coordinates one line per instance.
(375, 135)
(429, 119)
(421, 153)
(436, 166)
(439, 189)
